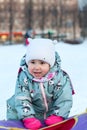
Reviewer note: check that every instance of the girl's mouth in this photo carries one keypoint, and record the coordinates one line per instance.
(37, 74)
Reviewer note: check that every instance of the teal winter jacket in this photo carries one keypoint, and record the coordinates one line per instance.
(28, 100)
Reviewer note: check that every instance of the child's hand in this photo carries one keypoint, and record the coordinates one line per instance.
(53, 119)
(32, 123)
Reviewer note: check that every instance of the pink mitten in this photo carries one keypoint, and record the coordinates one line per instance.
(32, 123)
(53, 119)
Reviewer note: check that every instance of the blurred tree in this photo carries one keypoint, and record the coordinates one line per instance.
(82, 14)
(43, 17)
(83, 21)
(11, 20)
(28, 11)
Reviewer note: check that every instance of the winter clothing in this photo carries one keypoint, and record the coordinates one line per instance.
(53, 119)
(32, 123)
(26, 41)
(41, 49)
(41, 98)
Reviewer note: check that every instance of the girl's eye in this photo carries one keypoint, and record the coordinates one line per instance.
(42, 63)
(32, 62)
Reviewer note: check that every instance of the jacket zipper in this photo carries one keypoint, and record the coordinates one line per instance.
(44, 98)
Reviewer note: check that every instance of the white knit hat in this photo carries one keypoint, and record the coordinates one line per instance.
(41, 49)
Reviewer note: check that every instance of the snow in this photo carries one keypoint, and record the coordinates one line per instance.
(73, 61)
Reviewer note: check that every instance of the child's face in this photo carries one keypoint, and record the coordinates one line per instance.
(38, 68)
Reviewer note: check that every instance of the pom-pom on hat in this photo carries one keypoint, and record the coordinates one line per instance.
(41, 49)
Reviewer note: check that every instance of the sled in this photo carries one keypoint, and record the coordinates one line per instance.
(17, 125)
(64, 125)
(77, 122)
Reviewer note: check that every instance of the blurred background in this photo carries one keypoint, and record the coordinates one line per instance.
(64, 20)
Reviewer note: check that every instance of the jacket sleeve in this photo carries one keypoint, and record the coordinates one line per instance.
(23, 103)
(63, 99)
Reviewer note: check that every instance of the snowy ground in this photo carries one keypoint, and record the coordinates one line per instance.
(74, 61)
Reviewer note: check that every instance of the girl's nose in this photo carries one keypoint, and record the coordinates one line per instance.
(37, 66)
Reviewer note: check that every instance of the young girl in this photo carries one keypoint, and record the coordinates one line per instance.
(43, 90)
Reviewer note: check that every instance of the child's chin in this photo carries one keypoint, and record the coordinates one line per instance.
(37, 76)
